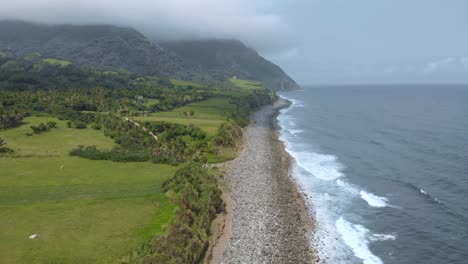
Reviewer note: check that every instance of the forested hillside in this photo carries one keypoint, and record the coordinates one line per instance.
(111, 48)
(227, 58)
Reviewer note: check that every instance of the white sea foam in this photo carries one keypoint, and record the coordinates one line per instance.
(355, 236)
(295, 131)
(382, 237)
(422, 191)
(373, 200)
(322, 166)
(321, 177)
(347, 186)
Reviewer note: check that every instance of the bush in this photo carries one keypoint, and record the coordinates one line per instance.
(79, 125)
(228, 134)
(3, 148)
(40, 128)
(51, 125)
(97, 126)
(199, 200)
(117, 154)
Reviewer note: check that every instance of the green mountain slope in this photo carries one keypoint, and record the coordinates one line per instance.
(112, 48)
(233, 58)
(101, 46)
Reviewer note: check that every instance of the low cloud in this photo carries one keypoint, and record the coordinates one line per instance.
(438, 65)
(449, 64)
(164, 20)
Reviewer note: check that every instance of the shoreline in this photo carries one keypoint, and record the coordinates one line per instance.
(268, 220)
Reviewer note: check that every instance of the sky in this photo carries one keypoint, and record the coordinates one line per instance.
(315, 41)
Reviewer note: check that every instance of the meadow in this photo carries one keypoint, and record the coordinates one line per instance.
(83, 211)
(208, 115)
(57, 61)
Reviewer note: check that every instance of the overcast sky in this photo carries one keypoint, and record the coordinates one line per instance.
(315, 41)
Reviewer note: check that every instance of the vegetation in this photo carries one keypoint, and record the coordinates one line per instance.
(198, 201)
(57, 61)
(3, 148)
(43, 127)
(229, 134)
(247, 84)
(10, 119)
(155, 203)
(83, 211)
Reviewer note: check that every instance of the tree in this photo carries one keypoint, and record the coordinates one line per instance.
(51, 124)
(79, 125)
(3, 148)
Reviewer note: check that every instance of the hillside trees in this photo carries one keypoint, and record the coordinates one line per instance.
(9, 119)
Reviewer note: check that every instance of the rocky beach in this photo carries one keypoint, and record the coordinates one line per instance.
(268, 222)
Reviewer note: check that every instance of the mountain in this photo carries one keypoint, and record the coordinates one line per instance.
(232, 57)
(101, 46)
(113, 48)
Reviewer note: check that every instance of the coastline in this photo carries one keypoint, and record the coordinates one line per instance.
(267, 219)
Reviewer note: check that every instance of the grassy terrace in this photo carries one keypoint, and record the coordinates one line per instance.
(208, 115)
(83, 211)
(57, 61)
(247, 84)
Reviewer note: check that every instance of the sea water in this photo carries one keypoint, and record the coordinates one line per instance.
(385, 170)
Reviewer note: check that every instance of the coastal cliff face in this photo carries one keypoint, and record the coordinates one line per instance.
(114, 48)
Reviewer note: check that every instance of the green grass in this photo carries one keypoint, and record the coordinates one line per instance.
(185, 83)
(57, 141)
(57, 61)
(209, 114)
(247, 84)
(149, 102)
(83, 211)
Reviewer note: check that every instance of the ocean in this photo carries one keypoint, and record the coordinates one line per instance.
(385, 170)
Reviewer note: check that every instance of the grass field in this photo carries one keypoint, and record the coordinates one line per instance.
(83, 211)
(56, 142)
(57, 61)
(185, 83)
(247, 84)
(209, 114)
(149, 102)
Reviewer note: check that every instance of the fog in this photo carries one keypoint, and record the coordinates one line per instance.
(315, 41)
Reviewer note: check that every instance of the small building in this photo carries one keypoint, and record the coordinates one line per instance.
(139, 99)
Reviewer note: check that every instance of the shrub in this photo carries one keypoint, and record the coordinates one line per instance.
(199, 200)
(3, 147)
(117, 154)
(40, 128)
(79, 125)
(97, 126)
(51, 124)
(228, 134)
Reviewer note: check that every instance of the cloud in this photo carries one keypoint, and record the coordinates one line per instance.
(285, 55)
(464, 62)
(246, 20)
(439, 65)
(449, 64)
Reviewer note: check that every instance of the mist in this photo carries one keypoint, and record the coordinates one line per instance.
(315, 41)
